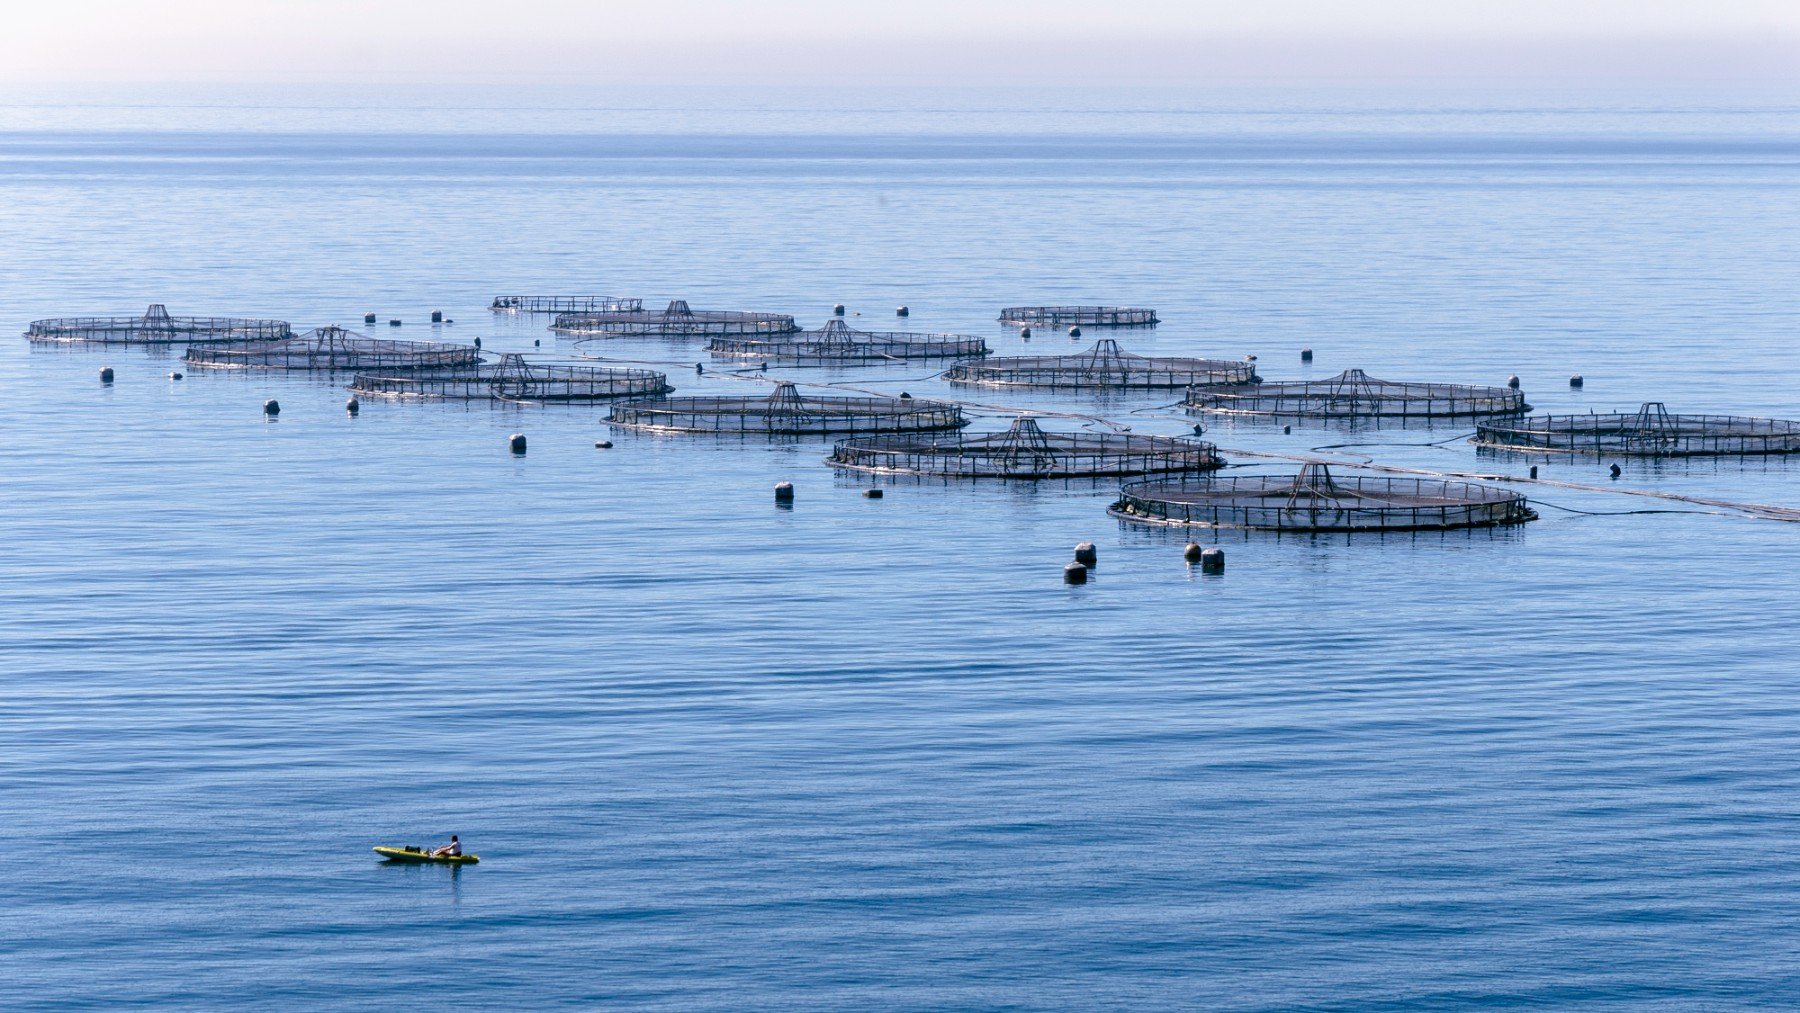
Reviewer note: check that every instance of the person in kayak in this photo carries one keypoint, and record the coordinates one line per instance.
(453, 848)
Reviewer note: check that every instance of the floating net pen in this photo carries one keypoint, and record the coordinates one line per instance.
(334, 348)
(1082, 316)
(786, 412)
(1315, 501)
(514, 379)
(1102, 367)
(678, 321)
(155, 327)
(1025, 452)
(839, 342)
(565, 304)
(1651, 431)
(1355, 394)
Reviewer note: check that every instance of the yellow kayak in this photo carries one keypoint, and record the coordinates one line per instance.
(416, 855)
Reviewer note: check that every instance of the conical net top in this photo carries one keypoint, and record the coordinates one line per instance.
(1314, 487)
(1106, 354)
(837, 331)
(786, 400)
(1025, 445)
(678, 308)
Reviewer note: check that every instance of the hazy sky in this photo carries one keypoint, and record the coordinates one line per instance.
(904, 41)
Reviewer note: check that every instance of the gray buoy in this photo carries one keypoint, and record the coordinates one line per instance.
(106, 374)
(477, 340)
(904, 396)
(903, 312)
(837, 309)
(699, 367)
(765, 367)
(1534, 471)
(1191, 552)
(1025, 332)
(1075, 573)
(517, 442)
(395, 322)
(871, 493)
(1305, 355)
(1575, 381)
(784, 492)
(1212, 561)
(271, 407)
(174, 376)
(368, 318)
(1513, 382)
(437, 316)
(1087, 555)
(1074, 332)
(353, 406)
(1285, 430)
(537, 343)
(1616, 471)
(603, 445)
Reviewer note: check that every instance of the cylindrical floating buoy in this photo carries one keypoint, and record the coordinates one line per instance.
(517, 442)
(1191, 552)
(904, 396)
(395, 322)
(1025, 332)
(1074, 332)
(784, 492)
(174, 376)
(537, 342)
(1513, 382)
(477, 342)
(902, 312)
(837, 309)
(1534, 471)
(1075, 573)
(353, 406)
(871, 493)
(1616, 471)
(765, 367)
(699, 367)
(1087, 555)
(1305, 355)
(271, 407)
(106, 374)
(1212, 561)
(368, 318)
(1285, 430)
(437, 316)
(1575, 381)
(603, 445)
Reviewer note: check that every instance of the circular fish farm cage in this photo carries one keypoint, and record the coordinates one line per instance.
(1102, 367)
(1651, 431)
(514, 379)
(565, 304)
(1355, 394)
(678, 321)
(1025, 451)
(333, 348)
(155, 327)
(1079, 316)
(1315, 501)
(785, 412)
(839, 342)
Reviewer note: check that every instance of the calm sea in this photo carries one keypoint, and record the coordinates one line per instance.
(874, 753)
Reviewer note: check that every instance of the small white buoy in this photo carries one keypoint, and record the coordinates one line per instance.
(871, 493)
(517, 442)
(174, 376)
(902, 312)
(837, 309)
(1191, 552)
(1074, 332)
(1513, 382)
(1575, 381)
(784, 492)
(271, 407)
(1087, 555)
(1212, 561)
(352, 406)
(1075, 573)
(1305, 355)
(106, 374)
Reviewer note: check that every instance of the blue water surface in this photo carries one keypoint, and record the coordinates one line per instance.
(873, 752)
